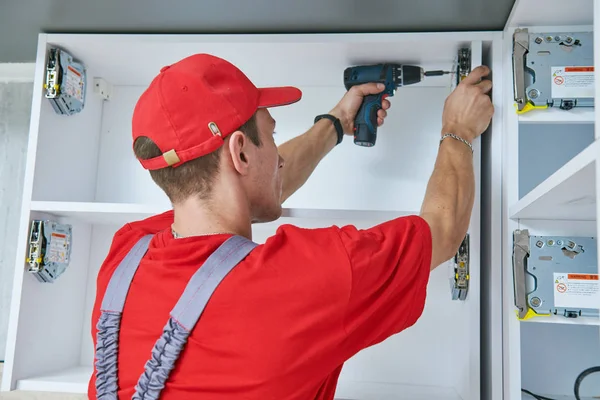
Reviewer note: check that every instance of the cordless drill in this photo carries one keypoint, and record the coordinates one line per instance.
(392, 76)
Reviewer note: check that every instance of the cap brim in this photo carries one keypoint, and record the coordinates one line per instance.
(278, 96)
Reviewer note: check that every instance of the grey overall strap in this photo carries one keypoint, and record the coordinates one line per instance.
(186, 313)
(109, 323)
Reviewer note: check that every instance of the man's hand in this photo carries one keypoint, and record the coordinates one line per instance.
(348, 106)
(468, 110)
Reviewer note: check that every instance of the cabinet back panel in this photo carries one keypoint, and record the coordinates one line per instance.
(544, 148)
(49, 333)
(390, 176)
(67, 152)
(552, 355)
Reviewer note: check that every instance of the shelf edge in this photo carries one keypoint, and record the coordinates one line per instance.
(125, 208)
(573, 166)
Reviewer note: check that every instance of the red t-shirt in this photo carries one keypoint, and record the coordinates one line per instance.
(283, 322)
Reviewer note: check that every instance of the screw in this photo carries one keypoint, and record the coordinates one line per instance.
(569, 39)
(548, 38)
(539, 244)
(539, 40)
(550, 242)
(536, 302)
(559, 242)
(534, 93)
(557, 38)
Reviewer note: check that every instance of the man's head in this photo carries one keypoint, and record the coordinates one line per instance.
(202, 123)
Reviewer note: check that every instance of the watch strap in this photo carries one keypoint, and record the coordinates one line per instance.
(336, 123)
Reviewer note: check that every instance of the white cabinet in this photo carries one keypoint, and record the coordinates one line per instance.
(81, 171)
(549, 188)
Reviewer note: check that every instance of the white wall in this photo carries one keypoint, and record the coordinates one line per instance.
(15, 107)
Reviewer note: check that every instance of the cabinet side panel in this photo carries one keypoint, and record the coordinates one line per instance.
(491, 234)
(15, 109)
(8, 381)
(510, 148)
(468, 363)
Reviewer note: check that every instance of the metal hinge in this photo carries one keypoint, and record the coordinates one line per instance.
(555, 275)
(553, 69)
(49, 249)
(459, 283)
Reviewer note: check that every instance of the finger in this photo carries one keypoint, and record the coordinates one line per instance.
(485, 85)
(369, 88)
(385, 104)
(382, 113)
(476, 75)
(379, 121)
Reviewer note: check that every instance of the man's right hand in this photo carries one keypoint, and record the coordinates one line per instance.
(468, 110)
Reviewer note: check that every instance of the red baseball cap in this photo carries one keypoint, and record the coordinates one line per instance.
(192, 105)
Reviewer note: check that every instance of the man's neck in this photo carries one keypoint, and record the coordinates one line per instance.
(195, 217)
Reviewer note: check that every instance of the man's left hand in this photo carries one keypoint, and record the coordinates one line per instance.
(348, 106)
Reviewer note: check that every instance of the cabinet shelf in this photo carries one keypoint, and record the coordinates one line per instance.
(568, 194)
(70, 380)
(76, 379)
(121, 213)
(558, 116)
(556, 319)
(377, 390)
(555, 397)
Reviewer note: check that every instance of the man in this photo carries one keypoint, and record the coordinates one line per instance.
(281, 318)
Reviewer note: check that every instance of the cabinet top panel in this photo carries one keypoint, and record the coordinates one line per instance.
(551, 12)
(278, 59)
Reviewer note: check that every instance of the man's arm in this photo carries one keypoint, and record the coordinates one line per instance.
(303, 153)
(450, 193)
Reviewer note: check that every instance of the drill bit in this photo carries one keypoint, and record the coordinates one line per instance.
(436, 73)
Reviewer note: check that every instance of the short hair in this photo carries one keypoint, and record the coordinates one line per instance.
(192, 178)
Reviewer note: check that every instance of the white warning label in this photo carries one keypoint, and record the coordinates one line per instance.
(571, 82)
(57, 251)
(576, 290)
(74, 84)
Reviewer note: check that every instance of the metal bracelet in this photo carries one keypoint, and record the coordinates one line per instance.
(453, 136)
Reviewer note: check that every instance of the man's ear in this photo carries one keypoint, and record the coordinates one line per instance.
(240, 149)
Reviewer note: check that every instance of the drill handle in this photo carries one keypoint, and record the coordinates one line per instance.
(365, 123)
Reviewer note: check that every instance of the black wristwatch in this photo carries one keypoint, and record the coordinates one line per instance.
(336, 123)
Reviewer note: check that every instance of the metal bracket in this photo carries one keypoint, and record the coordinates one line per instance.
(520, 49)
(102, 88)
(461, 277)
(49, 250)
(555, 275)
(464, 64)
(553, 69)
(65, 82)
(520, 256)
